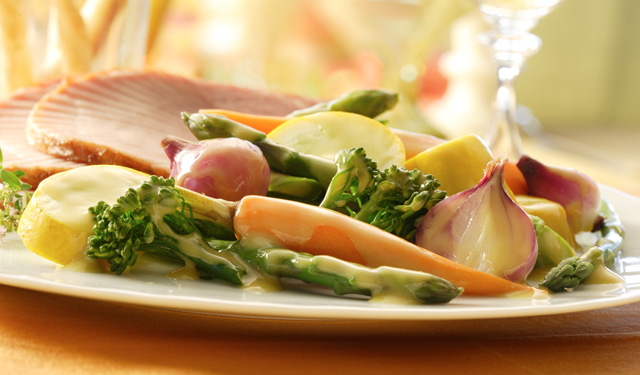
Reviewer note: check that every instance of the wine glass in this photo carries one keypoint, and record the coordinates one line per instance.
(511, 43)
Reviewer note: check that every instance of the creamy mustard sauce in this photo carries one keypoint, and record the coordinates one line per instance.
(602, 275)
(69, 192)
(193, 245)
(82, 263)
(186, 272)
(398, 291)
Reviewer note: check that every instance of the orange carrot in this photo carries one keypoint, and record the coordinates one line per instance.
(262, 123)
(515, 179)
(318, 231)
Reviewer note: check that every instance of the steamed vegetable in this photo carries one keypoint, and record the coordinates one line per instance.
(483, 228)
(602, 255)
(414, 143)
(458, 164)
(575, 191)
(324, 134)
(301, 189)
(155, 218)
(369, 103)
(572, 271)
(260, 123)
(318, 231)
(381, 283)
(280, 158)
(56, 223)
(14, 196)
(227, 168)
(552, 247)
(552, 213)
(395, 199)
(612, 234)
(514, 179)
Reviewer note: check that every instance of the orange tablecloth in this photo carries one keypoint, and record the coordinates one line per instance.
(50, 334)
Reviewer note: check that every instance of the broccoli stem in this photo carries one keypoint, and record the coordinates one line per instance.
(350, 278)
(281, 158)
(370, 103)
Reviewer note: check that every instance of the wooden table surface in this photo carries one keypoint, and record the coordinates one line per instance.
(44, 333)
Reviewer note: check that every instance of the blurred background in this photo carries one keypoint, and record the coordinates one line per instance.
(586, 73)
(577, 96)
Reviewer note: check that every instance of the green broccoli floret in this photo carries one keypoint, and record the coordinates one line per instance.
(395, 199)
(155, 218)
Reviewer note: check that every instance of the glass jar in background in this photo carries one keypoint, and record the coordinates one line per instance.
(43, 39)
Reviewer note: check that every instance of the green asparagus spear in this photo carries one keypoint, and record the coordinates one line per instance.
(280, 158)
(300, 189)
(370, 103)
(350, 278)
(573, 271)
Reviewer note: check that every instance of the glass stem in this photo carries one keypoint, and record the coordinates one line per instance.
(503, 135)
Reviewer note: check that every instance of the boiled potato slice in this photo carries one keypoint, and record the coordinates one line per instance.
(56, 223)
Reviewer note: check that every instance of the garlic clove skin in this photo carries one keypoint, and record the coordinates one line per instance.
(483, 228)
(575, 191)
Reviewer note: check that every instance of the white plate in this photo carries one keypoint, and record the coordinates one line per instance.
(21, 268)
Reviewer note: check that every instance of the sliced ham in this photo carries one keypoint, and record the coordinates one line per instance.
(121, 117)
(16, 151)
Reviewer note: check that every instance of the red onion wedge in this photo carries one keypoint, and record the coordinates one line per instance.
(483, 228)
(575, 191)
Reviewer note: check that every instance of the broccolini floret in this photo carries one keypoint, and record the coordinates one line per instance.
(395, 199)
(155, 218)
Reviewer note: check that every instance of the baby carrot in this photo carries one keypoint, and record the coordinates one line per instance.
(318, 231)
(515, 179)
(262, 123)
